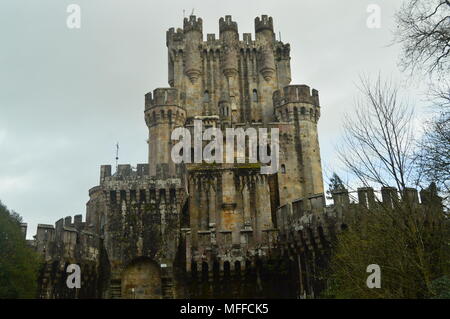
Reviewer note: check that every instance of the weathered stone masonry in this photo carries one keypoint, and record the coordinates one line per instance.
(165, 230)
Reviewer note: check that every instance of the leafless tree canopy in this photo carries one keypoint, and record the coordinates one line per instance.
(378, 138)
(434, 150)
(424, 31)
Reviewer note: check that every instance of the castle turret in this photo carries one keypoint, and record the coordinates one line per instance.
(299, 105)
(266, 38)
(267, 83)
(283, 63)
(163, 114)
(193, 35)
(230, 39)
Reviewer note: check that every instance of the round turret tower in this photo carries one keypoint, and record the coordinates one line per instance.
(163, 114)
(267, 80)
(266, 38)
(193, 35)
(230, 44)
(299, 105)
(229, 37)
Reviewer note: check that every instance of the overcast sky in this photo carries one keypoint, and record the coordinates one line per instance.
(67, 96)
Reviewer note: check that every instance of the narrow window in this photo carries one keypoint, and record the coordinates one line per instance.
(206, 96)
(255, 95)
(113, 197)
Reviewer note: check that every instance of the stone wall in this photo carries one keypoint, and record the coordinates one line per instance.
(169, 230)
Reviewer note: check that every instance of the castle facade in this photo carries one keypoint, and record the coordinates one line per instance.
(187, 230)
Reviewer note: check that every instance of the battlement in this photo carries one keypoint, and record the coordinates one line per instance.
(45, 226)
(127, 177)
(162, 97)
(227, 24)
(193, 24)
(174, 36)
(365, 197)
(312, 224)
(247, 38)
(283, 51)
(263, 23)
(123, 170)
(390, 197)
(295, 94)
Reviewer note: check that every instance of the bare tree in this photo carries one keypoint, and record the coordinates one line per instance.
(423, 28)
(378, 137)
(433, 154)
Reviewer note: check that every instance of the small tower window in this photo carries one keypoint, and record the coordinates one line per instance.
(255, 96)
(283, 169)
(302, 110)
(206, 96)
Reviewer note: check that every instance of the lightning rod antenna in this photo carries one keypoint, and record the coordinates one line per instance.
(117, 156)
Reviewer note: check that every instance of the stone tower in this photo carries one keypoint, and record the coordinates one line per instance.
(211, 229)
(228, 82)
(245, 73)
(202, 229)
(246, 83)
(163, 114)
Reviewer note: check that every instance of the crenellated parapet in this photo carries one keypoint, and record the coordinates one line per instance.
(263, 23)
(192, 24)
(296, 94)
(297, 102)
(311, 212)
(174, 37)
(219, 65)
(164, 106)
(162, 97)
(283, 51)
(227, 24)
(308, 228)
(67, 242)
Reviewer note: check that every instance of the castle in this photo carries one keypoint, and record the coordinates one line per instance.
(167, 230)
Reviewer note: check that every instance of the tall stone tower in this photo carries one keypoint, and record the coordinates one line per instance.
(214, 229)
(246, 83)
(163, 114)
(228, 82)
(244, 73)
(205, 229)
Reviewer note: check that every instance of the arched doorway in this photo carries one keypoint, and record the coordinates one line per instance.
(141, 280)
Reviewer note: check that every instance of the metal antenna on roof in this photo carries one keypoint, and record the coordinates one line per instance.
(117, 156)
